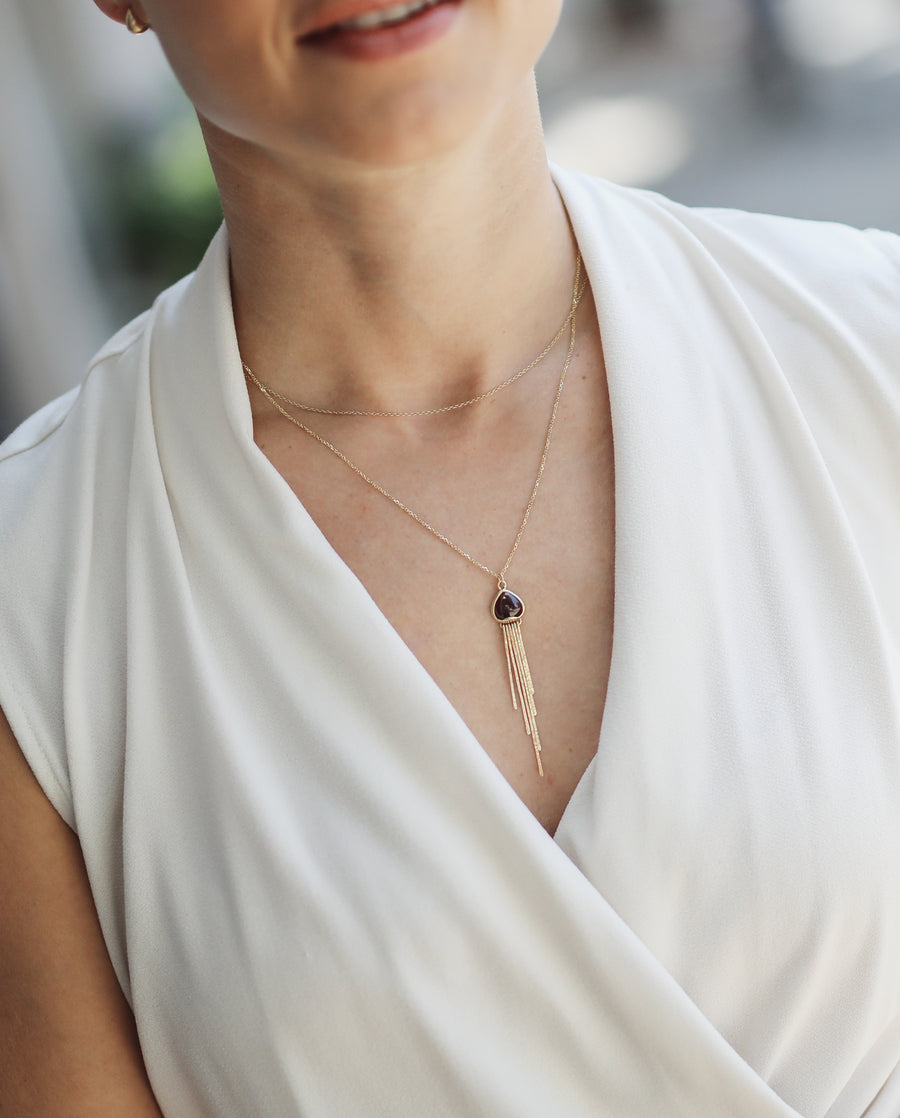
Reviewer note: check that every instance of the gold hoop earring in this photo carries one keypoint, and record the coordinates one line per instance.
(135, 26)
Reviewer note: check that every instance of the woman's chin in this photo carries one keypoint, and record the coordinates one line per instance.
(414, 126)
(472, 63)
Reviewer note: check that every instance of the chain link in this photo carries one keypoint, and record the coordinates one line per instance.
(273, 395)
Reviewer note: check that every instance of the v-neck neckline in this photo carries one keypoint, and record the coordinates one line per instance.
(238, 405)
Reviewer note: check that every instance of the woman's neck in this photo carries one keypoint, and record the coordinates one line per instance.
(401, 287)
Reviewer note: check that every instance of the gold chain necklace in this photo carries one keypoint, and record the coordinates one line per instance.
(507, 607)
(313, 410)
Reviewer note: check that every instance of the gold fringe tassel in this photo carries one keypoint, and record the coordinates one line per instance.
(520, 683)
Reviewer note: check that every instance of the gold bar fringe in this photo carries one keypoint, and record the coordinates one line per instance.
(520, 683)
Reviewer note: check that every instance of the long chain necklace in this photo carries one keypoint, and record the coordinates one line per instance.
(507, 607)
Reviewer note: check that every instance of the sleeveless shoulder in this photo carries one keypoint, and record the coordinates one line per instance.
(856, 270)
(844, 273)
(63, 497)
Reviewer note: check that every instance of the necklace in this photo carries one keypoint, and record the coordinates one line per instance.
(507, 607)
(313, 410)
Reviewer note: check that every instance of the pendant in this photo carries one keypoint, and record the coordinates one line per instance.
(509, 609)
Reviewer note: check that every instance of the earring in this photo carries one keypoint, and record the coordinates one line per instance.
(135, 26)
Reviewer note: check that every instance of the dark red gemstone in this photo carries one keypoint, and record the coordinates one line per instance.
(508, 606)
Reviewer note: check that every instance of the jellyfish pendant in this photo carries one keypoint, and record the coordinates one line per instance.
(509, 609)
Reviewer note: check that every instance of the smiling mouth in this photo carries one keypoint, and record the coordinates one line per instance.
(372, 22)
(387, 17)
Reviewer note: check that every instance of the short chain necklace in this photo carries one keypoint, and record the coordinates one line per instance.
(313, 410)
(507, 607)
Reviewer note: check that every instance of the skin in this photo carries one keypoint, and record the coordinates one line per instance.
(409, 199)
(68, 1043)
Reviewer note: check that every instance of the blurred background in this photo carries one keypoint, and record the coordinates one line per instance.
(787, 106)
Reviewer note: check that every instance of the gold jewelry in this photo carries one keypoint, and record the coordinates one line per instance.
(507, 607)
(134, 24)
(434, 411)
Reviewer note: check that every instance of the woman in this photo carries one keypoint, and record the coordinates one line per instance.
(268, 660)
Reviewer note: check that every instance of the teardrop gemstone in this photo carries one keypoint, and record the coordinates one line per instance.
(508, 606)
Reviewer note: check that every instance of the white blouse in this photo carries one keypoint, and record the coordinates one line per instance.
(320, 896)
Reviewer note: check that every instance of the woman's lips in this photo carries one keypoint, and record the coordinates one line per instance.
(415, 31)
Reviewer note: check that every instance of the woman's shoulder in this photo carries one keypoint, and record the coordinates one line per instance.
(79, 481)
(836, 263)
(64, 463)
(105, 395)
(841, 265)
(63, 491)
(84, 436)
(821, 298)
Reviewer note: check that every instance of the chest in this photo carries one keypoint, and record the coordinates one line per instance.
(440, 601)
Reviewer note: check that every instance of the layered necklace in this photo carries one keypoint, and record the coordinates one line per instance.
(507, 607)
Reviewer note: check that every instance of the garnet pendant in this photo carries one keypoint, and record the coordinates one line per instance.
(508, 607)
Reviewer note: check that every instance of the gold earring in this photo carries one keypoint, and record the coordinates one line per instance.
(135, 26)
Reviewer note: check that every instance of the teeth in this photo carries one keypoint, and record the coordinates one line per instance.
(395, 14)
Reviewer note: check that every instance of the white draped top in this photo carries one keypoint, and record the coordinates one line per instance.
(320, 896)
